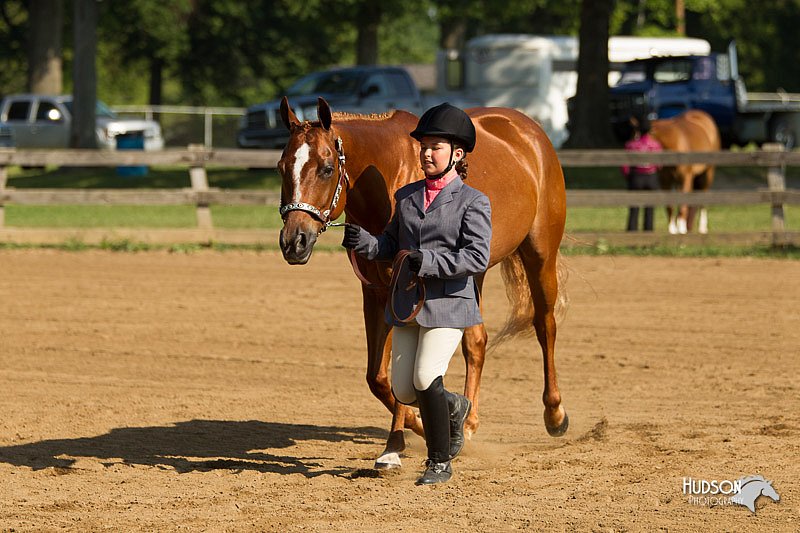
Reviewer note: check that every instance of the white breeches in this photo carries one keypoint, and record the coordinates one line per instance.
(420, 355)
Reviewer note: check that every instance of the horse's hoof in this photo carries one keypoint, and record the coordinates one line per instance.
(388, 461)
(561, 429)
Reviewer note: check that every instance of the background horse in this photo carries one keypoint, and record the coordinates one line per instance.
(514, 164)
(692, 131)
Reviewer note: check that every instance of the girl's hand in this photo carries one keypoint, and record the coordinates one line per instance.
(351, 234)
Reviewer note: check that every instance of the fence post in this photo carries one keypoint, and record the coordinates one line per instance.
(197, 173)
(208, 128)
(776, 181)
(3, 178)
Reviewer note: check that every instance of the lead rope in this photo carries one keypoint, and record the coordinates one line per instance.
(416, 281)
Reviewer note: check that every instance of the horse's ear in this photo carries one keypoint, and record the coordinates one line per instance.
(324, 113)
(287, 115)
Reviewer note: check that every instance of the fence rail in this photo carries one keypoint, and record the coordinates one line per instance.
(208, 113)
(269, 158)
(196, 159)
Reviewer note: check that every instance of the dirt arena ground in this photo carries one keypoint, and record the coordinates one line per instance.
(225, 392)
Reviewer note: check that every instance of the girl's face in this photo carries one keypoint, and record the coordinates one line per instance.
(434, 155)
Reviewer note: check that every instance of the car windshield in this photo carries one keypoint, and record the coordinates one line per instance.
(342, 82)
(633, 73)
(101, 110)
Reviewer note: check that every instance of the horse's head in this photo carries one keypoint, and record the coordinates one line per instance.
(314, 181)
(768, 490)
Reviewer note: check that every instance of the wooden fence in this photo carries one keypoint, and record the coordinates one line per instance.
(197, 159)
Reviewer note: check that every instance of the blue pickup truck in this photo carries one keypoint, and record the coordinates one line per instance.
(667, 86)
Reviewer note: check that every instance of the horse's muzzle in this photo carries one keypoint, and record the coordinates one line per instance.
(297, 246)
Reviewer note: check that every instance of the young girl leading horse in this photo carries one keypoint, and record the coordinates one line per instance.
(445, 226)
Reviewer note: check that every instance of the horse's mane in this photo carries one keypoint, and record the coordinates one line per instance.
(344, 116)
(748, 479)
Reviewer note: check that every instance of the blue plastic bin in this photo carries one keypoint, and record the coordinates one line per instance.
(131, 141)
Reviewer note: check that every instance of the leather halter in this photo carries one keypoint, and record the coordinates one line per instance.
(324, 216)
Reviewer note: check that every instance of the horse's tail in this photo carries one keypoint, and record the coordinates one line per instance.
(520, 317)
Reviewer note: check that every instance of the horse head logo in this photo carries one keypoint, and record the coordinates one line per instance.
(752, 488)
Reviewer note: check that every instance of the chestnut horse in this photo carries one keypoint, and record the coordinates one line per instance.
(692, 131)
(514, 164)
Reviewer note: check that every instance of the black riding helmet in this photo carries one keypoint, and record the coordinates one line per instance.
(447, 121)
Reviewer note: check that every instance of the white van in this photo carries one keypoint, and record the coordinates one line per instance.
(536, 74)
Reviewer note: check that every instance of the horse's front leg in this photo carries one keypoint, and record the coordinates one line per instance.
(684, 223)
(378, 355)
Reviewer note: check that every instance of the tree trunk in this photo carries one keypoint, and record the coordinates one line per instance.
(590, 120)
(156, 83)
(84, 75)
(453, 33)
(44, 46)
(369, 18)
(680, 15)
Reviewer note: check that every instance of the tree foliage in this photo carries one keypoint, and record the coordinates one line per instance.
(13, 55)
(228, 52)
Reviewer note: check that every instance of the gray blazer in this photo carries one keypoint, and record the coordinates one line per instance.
(454, 235)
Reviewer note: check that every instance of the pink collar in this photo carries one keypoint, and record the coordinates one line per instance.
(434, 187)
(441, 183)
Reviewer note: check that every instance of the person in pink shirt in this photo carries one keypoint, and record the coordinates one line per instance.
(642, 177)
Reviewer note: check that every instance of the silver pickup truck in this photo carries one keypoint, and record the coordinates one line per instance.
(362, 89)
(42, 121)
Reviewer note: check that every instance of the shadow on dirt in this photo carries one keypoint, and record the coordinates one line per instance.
(195, 445)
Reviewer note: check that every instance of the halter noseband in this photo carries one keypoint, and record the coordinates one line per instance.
(324, 216)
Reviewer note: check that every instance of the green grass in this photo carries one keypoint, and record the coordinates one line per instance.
(157, 177)
(129, 216)
(728, 219)
(122, 216)
(100, 216)
(788, 252)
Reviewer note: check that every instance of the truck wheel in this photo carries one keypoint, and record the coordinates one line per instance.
(782, 132)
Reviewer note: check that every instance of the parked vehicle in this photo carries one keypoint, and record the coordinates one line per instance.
(6, 137)
(537, 74)
(363, 89)
(668, 86)
(42, 121)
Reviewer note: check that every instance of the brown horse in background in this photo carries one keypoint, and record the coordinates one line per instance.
(514, 164)
(692, 131)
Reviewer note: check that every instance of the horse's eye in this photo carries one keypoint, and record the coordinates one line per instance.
(327, 171)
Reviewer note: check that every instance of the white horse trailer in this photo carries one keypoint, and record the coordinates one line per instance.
(536, 74)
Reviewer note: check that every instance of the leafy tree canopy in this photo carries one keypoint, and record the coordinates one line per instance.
(228, 52)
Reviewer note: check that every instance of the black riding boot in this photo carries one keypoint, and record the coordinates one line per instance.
(459, 407)
(436, 420)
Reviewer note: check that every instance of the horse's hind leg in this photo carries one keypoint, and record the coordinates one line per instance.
(703, 184)
(473, 346)
(541, 269)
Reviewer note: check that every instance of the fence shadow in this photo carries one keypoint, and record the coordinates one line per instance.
(195, 445)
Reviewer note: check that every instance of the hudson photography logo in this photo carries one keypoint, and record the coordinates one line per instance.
(744, 491)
